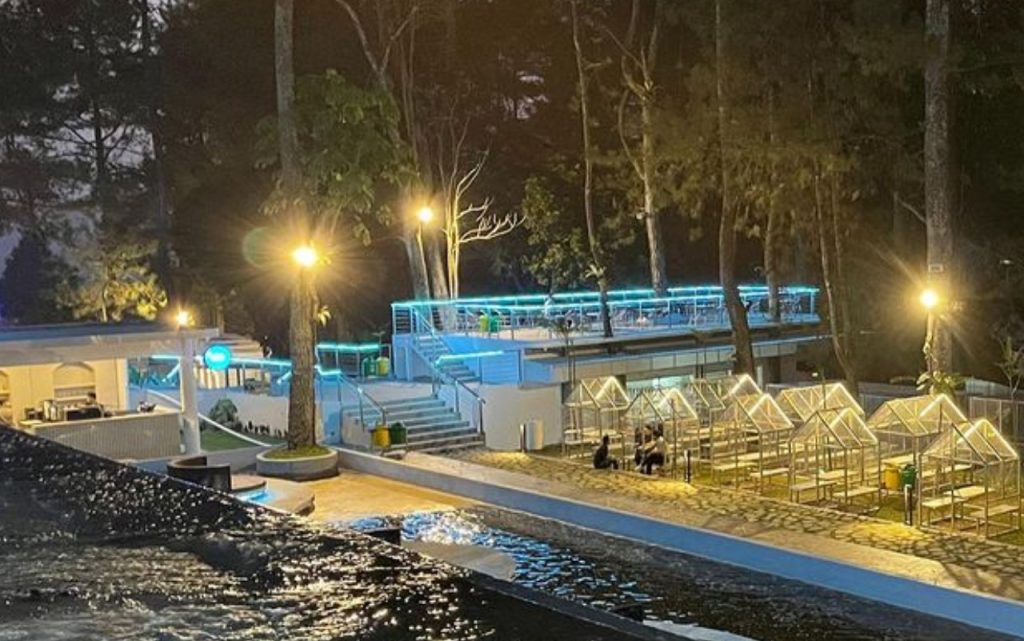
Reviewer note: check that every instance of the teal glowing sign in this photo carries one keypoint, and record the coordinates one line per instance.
(217, 357)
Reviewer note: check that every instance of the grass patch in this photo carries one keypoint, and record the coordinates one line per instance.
(299, 452)
(218, 440)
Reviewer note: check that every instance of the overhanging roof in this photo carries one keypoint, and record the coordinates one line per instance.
(42, 344)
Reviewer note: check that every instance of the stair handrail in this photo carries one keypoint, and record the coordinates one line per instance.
(203, 417)
(444, 376)
(360, 394)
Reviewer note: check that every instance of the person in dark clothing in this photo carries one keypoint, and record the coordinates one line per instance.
(656, 453)
(601, 459)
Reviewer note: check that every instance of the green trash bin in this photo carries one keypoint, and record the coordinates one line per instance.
(369, 367)
(908, 476)
(398, 433)
(495, 324)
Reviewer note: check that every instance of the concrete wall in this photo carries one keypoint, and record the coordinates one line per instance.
(29, 385)
(972, 608)
(134, 436)
(507, 406)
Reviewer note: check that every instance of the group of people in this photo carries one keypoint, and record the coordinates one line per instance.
(650, 450)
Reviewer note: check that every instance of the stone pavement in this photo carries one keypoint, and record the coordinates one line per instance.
(351, 496)
(925, 555)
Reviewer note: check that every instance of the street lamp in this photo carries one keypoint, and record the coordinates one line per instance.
(183, 318)
(930, 300)
(305, 256)
(425, 215)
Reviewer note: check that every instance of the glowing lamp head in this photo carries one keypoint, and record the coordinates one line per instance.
(425, 215)
(305, 256)
(182, 318)
(929, 299)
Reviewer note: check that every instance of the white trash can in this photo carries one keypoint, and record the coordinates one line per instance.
(534, 435)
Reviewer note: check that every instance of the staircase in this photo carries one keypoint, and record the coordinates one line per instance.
(431, 347)
(432, 426)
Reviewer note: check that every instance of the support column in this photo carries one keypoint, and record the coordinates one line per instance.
(189, 407)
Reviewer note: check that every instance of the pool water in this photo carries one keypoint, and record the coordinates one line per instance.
(681, 593)
(92, 550)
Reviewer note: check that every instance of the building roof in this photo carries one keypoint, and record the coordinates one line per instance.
(40, 344)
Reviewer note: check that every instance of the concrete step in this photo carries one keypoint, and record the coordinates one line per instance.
(434, 423)
(442, 434)
(450, 447)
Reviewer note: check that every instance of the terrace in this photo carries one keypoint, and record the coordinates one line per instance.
(529, 317)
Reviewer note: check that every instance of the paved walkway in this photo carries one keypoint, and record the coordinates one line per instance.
(933, 557)
(351, 496)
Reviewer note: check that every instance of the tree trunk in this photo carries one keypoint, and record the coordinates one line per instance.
(655, 246)
(417, 264)
(284, 71)
(828, 280)
(301, 400)
(588, 175)
(153, 89)
(937, 172)
(438, 277)
(727, 226)
(773, 228)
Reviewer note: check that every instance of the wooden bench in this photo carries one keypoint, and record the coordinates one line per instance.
(770, 472)
(993, 510)
(798, 488)
(854, 492)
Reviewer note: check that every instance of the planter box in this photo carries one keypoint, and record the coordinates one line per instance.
(299, 469)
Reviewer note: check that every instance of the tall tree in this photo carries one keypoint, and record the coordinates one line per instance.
(390, 54)
(303, 306)
(598, 266)
(639, 60)
(938, 177)
(727, 223)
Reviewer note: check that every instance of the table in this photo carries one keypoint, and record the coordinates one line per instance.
(898, 461)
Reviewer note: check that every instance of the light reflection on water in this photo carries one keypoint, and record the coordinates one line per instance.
(90, 550)
(681, 593)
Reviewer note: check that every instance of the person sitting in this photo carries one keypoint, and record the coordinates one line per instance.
(642, 442)
(655, 454)
(602, 461)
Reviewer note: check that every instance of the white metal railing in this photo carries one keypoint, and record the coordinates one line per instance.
(366, 405)
(458, 390)
(682, 307)
(176, 403)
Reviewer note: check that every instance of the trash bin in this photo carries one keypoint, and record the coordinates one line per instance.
(369, 367)
(534, 435)
(484, 323)
(381, 436)
(383, 366)
(397, 433)
(892, 479)
(908, 475)
(495, 324)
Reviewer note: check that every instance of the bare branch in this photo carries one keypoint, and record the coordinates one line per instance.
(379, 70)
(913, 210)
(491, 227)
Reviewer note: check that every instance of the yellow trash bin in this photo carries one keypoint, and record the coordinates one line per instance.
(892, 479)
(383, 366)
(381, 437)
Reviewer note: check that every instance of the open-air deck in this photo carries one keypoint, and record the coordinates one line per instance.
(533, 317)
(532, 338)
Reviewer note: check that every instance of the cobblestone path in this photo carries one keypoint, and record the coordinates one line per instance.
(747, 514)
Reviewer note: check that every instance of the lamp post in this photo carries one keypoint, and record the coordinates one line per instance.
(930, 300)
(187, 384)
